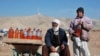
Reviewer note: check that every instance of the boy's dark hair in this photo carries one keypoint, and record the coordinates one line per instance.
(80, 9)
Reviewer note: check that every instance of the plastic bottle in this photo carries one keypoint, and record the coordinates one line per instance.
(28, 33)
(39, 34)
(25, 34)
(16, 33)
(11, 33)
(21, 34)
(78, 32)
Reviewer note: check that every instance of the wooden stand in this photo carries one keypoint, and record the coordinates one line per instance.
(24, 45)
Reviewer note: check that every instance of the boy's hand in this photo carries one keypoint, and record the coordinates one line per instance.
(80, 22)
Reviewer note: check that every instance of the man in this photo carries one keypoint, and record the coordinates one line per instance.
(56, 37)
(79, 30)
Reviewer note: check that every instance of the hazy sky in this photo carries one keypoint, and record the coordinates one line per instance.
(55, 8)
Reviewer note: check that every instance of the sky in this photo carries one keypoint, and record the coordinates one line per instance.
(52, 8)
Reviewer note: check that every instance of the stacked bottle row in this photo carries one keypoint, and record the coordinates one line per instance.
(25, 34)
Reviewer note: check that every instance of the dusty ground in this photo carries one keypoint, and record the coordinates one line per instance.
(94, 44)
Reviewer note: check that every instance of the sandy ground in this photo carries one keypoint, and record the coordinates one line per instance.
(94, 44)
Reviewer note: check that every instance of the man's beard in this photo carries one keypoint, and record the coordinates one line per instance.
(56, 28)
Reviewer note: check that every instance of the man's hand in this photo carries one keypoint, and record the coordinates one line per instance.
(52, 49)
(62, 46)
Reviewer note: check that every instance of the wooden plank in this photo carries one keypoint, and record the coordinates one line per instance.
(22, 41)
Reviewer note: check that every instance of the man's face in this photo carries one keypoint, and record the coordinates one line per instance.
(80, 14)
(54, 24)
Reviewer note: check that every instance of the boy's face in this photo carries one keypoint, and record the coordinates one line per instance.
(80, 14)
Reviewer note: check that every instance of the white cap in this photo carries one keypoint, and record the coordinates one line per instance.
(56, 21)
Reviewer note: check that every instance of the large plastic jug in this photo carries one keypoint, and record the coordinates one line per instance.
(54, 54)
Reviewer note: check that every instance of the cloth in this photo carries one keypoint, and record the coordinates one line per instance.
(82, 49)
(78, 41)
(86, 26)
(50, 39)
